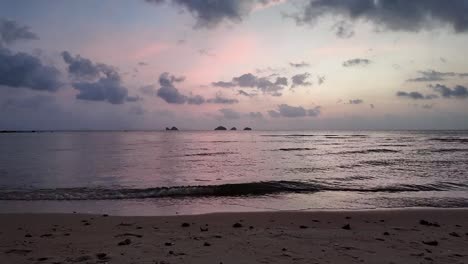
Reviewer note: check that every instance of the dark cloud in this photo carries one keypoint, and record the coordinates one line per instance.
(96, 81)
(343, 29)
(288, 111)
(299, 64)
(229, 113)
(244, 93)
(246, 80)
(21, 70)
(458, 91)
(433, 76)
(415, 95)
(395, 15)
(263, 84)
(106, 89)
(300, 79)
(168, 92)
(196, 100)
(211, 13)
(356, 62)
(11, 31)
(219, 99)
(82, 68)
(356, 101)
(224, 84)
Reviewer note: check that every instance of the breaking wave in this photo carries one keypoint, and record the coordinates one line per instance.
(236, 189)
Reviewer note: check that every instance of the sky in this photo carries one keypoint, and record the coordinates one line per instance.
(265, 64)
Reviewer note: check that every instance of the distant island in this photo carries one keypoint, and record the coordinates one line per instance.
(172, 129)
(232, 129)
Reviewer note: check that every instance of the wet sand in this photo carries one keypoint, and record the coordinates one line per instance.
(380, 236)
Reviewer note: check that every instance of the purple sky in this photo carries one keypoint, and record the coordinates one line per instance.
(267, 64)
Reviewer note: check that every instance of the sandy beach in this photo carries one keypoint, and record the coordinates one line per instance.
(380, 236)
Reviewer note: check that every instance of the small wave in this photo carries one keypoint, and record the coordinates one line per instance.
(296, 149)
(237, 189)
(209, 154)
(450, 140)
(367, 151)
(448, 150)
(289, 135)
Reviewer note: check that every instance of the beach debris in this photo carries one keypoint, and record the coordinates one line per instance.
(303, 227)
(125, 242)
(102, 256)
(168, 244)
(386, 233)
(206, 244)
(28, 235)
(129, 234)
(346, 227)
(427, 223)
(454, 234)
(237, 225)
(185, 225)
(251, 227)
(18, 251)
(46, 235)
(42, 259)
(283, 249)
(431, 243)
(125, 224)
(203, 229)
(105, 215)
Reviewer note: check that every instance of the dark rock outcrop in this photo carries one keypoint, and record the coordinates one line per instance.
(234, 128)
(172, 129)
(247, 129)
(220, 128)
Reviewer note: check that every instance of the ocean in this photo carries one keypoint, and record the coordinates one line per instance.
(176, 172)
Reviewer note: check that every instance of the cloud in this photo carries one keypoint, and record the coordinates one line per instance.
(394, 15)
(96, 81)
(255, 115)
(433, 76)
(244, 93)
(288, 111)
(320, 80)
(222, 100)
(82, 68)
(209, 14)
(263, 84)
(142, 63)
(300, 79)
(21, 70)
(196, 100)
(168, 92)
(415, 95)
(299, 65)
(356, 62)
(458, 91)
(224, 84)
(356, 101)
(106, 89)
(11, 32)
(343, 29)
(229, 113)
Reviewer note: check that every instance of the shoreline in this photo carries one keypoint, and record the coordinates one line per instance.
(405, 235)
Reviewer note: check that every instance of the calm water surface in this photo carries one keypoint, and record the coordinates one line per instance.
(196, 172)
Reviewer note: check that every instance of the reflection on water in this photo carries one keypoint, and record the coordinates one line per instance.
(299, 169)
